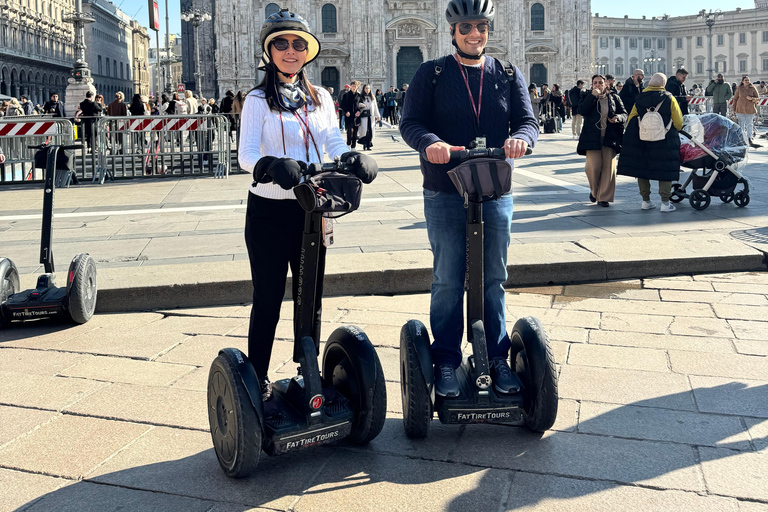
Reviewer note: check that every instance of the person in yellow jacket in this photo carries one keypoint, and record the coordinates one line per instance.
(659, 160)
(744, 100)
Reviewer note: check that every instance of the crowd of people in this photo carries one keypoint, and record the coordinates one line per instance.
(606, 119)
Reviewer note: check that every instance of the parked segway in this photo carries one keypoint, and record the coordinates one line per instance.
(347, 399)
(534, 404)
(77, 300)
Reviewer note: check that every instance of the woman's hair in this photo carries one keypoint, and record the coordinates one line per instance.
(187, 93)
(378, 91)
(597, 76)
(175, 96)
(370, 94)
(136, 100)
(164, 98)
(270, 84)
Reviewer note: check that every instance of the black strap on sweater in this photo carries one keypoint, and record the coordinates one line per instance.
(439, 65)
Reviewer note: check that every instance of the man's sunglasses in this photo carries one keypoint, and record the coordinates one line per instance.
(281, 45)
(466, 28)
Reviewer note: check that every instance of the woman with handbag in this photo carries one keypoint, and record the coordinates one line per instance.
(369, 116)
(286, 124)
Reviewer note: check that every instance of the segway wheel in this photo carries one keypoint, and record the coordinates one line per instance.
(741, 199)
(235, 427)
(677, 193)
(533, 360)
(352, 367)
(9, 283)
(700, 199)
(417, 402)
(727, 198)
(81, 288)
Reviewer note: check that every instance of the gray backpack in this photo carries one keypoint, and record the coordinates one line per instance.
(652, 127)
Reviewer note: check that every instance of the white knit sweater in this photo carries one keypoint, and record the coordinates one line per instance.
(261, 135)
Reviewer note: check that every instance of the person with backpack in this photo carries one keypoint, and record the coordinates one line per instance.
(651, 149)
(459, 101)
(600, 139)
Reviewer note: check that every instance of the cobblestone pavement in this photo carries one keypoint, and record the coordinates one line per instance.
(664, 406)
(169, 221)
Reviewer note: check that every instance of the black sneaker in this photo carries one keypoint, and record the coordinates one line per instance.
(752, 144)
(446, 383)
(503, 379)
(266, 389)
(592, 198)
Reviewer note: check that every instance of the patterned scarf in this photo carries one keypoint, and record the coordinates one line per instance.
(292, 97)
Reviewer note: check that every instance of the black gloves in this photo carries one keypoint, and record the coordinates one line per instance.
(286, 172)
(363, 166)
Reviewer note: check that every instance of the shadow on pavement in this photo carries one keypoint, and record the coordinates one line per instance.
(645, 443)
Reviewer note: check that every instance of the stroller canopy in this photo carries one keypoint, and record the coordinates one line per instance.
(721, 135)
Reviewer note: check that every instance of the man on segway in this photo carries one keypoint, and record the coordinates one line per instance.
(466, 100)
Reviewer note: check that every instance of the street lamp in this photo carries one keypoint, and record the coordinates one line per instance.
(710, 18)
(651, 60)
(196, 17)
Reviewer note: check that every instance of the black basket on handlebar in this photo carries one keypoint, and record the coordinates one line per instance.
(332, 194)
(64, 159)
(482, 179)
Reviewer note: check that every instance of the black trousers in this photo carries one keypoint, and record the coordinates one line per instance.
(273, 233)
(351, 132)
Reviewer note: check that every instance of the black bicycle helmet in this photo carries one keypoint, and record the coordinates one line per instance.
(459, 11)
(285, 22)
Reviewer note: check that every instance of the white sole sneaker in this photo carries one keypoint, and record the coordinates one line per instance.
(647, 205)
(666, 208)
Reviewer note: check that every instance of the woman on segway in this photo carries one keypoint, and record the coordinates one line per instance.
(286, 124)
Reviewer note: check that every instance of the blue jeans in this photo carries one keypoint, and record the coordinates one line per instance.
(446, 228)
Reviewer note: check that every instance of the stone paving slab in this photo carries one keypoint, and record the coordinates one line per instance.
(18, 488)
(722, 395)
(740, 477)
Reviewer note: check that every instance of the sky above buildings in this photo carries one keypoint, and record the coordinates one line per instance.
(139, 9)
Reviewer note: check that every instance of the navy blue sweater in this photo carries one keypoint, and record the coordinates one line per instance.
(444, 113)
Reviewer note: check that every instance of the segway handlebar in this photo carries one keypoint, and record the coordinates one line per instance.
(466, 154)
(336, 166)
(45, 146)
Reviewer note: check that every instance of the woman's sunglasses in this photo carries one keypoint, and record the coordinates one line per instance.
(282, 44)
(466, 28)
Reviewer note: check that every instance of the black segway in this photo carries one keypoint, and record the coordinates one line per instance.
(77, 300)
(347, 399)
(534, 404)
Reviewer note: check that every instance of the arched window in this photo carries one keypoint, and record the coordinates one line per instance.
(271, 9)
(329, 19)
(330, 78)
(537, 17)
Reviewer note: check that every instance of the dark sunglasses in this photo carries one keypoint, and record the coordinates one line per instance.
(466, 28)
(282, 44)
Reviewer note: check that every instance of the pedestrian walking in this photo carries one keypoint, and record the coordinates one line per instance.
(473, 104)
(744, 101)
(600, 140)
(675, 85)
(286, 122)
(54, 106)
(558, 106)
(369, 116)
(574, 96)
(391, 99)
(91, 110)
(350, 105)
(659, 159)
(632, 87)
(117, 108)
(721, 93)
(27, 106)
(14, 108)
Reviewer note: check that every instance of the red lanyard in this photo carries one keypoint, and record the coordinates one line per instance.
(307, 133)
(475, 109)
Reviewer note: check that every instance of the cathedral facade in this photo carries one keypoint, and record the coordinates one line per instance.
(383, 42)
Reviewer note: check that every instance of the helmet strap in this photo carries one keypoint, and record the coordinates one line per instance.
(465, 55)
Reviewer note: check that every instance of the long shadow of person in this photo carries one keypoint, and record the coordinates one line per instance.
(643, 446)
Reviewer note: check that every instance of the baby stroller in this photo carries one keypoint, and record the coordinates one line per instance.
(715, 145)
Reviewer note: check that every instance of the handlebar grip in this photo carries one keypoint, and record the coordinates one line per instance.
(687, 135)
(73, 146)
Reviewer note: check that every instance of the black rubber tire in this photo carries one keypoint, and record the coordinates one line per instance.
(727, 198)
(700, 199)
(417, 403)
(9, 283)
(82, 288)
(676, 191)
(348, 355)
(534, 362)
(235, 427)
(741, 199)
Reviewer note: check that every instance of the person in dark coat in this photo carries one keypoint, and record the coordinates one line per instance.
(350, 105)
(632, 87)
(27, 106)
(677, 89)
(55, 106)
(226, 108)
(658, 160)
(574, 96)
(91, 110)
(600, 140)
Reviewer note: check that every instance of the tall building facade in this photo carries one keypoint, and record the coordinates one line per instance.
(207, 38)
(383, 43)
(140, 40)
(36, 48)
(736, 45)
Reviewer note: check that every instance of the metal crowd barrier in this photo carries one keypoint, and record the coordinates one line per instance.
(17, 133)
(703, 105)
(185, 145)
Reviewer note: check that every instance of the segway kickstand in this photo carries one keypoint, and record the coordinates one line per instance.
(475, 286)
(306, 347)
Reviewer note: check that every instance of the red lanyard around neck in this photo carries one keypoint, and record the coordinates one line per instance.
(475, 109)
(304, 122)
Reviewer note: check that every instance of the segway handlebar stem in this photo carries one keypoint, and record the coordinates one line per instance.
(468, 154)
